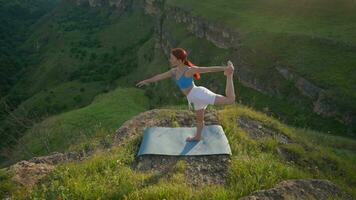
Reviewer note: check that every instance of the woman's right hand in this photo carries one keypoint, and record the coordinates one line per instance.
(141, 83)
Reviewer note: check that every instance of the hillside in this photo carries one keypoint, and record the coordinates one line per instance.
(15, 18)
(67, 77)
(264, 153)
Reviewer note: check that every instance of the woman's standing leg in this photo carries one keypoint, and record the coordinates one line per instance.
(200, 125)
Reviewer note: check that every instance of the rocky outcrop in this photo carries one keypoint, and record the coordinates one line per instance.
(153, 7)
(301, 189)
(29, 172)
(257, 130)
(305, 87)
(215, 32)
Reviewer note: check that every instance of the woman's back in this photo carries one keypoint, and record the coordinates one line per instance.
(183, 82)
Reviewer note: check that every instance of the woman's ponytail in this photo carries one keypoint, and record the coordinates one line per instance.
(181, 54)
(190, 64)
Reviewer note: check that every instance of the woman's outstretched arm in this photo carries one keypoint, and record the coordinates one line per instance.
(196, 69)
(156, 78)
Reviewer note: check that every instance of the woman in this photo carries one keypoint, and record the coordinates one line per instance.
(182, 73)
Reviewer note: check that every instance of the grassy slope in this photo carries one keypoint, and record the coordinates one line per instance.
(314, 38)
(76, 95)
(255, 165)
(73, 129)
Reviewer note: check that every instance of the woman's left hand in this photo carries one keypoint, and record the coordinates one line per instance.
(144, 82)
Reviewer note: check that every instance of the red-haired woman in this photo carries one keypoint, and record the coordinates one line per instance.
(183, 72)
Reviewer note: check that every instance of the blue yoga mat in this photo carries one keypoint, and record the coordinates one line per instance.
(172, 141)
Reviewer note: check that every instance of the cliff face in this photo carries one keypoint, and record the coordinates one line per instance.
(226, 38)
(323, 104)
(99, 3)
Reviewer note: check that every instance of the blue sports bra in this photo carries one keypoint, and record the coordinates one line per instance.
(183, 82)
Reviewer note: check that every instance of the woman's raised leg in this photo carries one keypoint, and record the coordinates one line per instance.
(229, 90)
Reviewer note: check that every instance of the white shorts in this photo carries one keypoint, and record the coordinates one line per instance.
(201, 97)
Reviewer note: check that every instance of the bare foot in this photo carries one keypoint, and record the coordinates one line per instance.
(195, 138)
(229, 69)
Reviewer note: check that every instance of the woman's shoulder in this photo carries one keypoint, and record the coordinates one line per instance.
(173, 71)
(190, 71)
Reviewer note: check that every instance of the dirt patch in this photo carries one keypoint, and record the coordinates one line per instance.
(198, 170)
(257, 130)
(28, 174)
(301, 189)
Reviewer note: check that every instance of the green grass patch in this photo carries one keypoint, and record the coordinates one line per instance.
(109, 175)
(311, 158)
(97, 120)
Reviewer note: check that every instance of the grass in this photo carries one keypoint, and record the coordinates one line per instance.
(6, 185)
(81, 126)
(312, 158)
(328, 19)
(51, 101)
(108, 174)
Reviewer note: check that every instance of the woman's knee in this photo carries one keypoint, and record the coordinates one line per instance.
(200, 122)
(221, 100)
(231, 99)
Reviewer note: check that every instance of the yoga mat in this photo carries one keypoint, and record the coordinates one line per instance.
(172, 141)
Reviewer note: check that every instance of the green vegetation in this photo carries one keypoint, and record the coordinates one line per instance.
(75, 128)
(15, 18)
(6, 185)
(109, 175)
(73, 48)
(299, 113)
